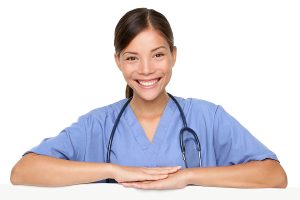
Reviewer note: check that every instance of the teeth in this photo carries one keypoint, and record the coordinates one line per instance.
(148, 83)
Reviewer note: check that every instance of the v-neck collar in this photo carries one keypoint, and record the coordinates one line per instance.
(161, 129)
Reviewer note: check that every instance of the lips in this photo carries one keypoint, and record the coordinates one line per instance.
(148, 83)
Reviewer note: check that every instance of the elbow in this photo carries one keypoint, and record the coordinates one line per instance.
(19, 172)
(281, 183)
(278, 179)
(15, 175)
(282, 180)
(272, 175)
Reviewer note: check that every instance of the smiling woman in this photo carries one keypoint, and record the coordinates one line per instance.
(151, 139)
(146, 64)
(135, 22)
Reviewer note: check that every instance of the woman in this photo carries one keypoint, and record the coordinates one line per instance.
(138, 141)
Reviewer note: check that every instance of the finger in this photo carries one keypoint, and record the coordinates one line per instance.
(134, 182)
(144, 177)
(165, 168)
(145, 185)
(130, 184)
(162, 170)
(125, 184)
(155, 177)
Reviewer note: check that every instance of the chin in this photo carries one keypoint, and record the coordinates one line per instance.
(149, 96)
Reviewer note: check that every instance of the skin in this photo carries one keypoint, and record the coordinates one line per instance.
(255, 174)
(147, 57)
(137, 62)
(41, 170)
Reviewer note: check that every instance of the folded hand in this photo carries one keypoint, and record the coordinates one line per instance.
(176, 180)
(135, 174)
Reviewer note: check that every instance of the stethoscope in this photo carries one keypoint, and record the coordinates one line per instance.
(184, 129)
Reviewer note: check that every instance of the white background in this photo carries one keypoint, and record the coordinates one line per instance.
(56, 63)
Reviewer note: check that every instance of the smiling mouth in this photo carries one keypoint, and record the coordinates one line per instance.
(148, 83)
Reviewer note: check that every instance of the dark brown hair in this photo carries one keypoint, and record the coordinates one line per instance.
(134, 22)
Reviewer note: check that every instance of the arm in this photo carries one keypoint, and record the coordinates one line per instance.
(255, 174)
(41, 170)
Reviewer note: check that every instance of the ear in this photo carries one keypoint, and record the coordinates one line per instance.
(174, 55)
(117, 60)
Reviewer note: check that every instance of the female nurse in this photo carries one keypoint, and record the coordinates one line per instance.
(146, 150)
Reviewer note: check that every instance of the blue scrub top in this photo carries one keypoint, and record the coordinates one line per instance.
(224, 141)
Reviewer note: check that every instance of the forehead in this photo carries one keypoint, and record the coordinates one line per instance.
(147, 40)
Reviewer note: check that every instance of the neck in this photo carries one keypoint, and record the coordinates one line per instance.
(151, 108)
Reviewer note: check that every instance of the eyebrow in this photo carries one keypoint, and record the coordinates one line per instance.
(135, 53)
(158, 48)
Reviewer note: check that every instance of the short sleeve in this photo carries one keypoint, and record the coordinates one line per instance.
(69, 144)
(234, 144)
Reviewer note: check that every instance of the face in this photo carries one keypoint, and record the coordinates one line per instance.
(146, 64)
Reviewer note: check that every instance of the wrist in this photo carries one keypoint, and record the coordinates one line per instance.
(188, 176)
(111, 170)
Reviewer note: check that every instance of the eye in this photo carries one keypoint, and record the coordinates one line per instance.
(131, 58)
(158, 55)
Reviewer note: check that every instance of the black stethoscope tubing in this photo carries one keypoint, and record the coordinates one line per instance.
(187, 129)
(184, 129)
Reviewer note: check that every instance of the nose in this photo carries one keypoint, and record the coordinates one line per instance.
(146, 67)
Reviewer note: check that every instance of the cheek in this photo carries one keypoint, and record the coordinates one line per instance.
(128, 71)
(165, 66)
(169, 75)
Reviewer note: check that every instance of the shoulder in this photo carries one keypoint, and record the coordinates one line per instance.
(195, 105)
(105, 112)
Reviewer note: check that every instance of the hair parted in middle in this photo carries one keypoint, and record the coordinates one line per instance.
(136, 21)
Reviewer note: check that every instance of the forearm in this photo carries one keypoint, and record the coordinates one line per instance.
(256, 174)
(40, 170)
